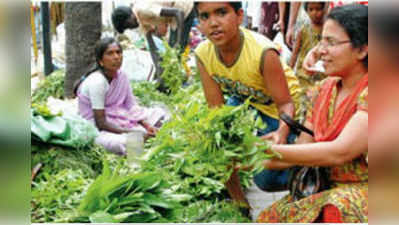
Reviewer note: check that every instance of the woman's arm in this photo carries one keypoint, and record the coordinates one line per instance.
(276, 83)
(350, 144)
(102, 124)
(281, 11)
(278, 164)
(213, 93)
(297, 47)
(294, 9)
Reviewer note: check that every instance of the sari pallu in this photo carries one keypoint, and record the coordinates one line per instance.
(349, 191)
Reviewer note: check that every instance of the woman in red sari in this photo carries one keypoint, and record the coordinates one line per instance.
(339, 119)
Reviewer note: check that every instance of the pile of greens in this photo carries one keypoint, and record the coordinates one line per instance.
(115, 198)
(147, 93)
(52, 85)
(56, 196)
(200, 146)
(63, 179)
(173, 74)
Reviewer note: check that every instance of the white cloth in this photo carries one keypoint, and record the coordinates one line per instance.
(148, 12)
(254, 11)
(95, 87)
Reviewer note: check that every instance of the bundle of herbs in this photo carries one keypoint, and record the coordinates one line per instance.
(52, 85)
(173, 74)
(201, 146)
(142, 197)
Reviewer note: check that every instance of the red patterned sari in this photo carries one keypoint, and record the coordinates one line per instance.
(347, 200)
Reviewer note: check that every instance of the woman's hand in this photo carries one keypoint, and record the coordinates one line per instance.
(276, 137)
(310, 61)
(280, 26)
(151, 130)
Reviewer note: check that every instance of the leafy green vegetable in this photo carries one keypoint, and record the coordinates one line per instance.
(199, 147)
(129, 198)
(147, 93)
(63, 179)
(173, 74)
(52, 85)
(55, 198)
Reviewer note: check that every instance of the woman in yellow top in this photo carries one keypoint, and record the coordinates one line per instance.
(241, 64)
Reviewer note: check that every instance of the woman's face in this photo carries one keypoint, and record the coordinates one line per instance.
(112, 58)
(219, 22)
(336, 50)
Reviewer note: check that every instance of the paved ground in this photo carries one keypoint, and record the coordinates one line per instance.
(260, 200)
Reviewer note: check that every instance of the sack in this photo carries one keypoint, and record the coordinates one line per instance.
(306, 181)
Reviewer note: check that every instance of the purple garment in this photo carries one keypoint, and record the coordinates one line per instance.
(121, 107)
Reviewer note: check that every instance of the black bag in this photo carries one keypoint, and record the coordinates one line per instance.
(305, 181)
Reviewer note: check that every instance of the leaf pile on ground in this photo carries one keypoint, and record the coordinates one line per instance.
(52, 85)
(63, 179)
(141, 197)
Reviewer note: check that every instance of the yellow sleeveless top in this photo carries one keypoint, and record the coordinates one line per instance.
(244, 77)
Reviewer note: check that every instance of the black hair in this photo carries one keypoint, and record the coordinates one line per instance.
(306, 5)
(119, 17)
(99, 50)
(236, 6)
(353, 18)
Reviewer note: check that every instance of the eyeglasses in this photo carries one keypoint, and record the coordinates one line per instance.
(329, 42)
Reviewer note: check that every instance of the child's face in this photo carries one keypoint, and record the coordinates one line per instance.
(315, 12)
(219, 22)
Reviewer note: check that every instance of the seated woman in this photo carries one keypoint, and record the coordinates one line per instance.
(339, 119)
(105, 98)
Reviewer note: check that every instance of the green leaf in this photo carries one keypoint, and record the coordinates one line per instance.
(101, 217)
(154, 200)
(121, 217)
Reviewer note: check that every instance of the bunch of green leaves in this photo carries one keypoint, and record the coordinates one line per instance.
(64, 178)
(147, 93)
(55, 197)
(52, 85)
(57, 158)
(43, 110)
(191, 93)
(173, 74)
(114, 198)
(201, 146)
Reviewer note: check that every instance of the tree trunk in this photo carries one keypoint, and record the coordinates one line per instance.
(82, 31)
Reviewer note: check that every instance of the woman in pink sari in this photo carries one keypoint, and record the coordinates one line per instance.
(106, 98)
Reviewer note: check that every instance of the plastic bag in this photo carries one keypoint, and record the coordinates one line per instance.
(137, 64)
(68, 130)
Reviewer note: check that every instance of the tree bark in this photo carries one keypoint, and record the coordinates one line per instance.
(83, 26)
